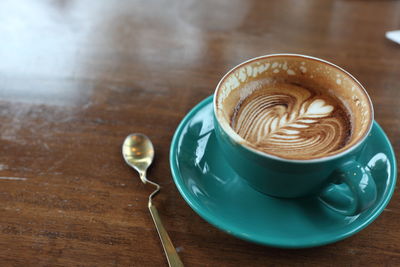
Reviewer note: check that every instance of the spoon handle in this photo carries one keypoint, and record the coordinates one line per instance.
(169, 249)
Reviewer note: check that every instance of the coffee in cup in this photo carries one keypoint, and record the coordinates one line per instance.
(293, 122)
(295, 108)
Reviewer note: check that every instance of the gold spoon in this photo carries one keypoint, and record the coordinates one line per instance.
(138, 152)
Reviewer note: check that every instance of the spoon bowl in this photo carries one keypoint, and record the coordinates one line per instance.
(138, 152)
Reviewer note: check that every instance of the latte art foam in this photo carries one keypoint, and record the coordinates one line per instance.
(292, 122)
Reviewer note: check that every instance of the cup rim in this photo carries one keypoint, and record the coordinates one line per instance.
(242, 142)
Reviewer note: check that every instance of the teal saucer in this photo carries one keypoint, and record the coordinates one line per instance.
(222, 198)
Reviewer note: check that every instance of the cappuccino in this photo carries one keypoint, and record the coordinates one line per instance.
(293, 107)
(291, 121)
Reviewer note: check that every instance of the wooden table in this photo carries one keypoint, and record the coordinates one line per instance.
(77, 76)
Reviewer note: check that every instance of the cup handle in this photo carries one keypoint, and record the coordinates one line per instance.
(353, 190)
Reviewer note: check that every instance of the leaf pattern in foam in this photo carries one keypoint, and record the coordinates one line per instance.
(282, 127)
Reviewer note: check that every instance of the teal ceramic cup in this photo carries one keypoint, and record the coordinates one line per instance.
(338, 180)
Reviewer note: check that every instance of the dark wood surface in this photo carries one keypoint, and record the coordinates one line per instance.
(76, 77)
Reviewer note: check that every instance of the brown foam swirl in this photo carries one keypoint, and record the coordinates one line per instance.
(292, 122)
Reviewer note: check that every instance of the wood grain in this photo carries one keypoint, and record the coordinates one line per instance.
(76, 77)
